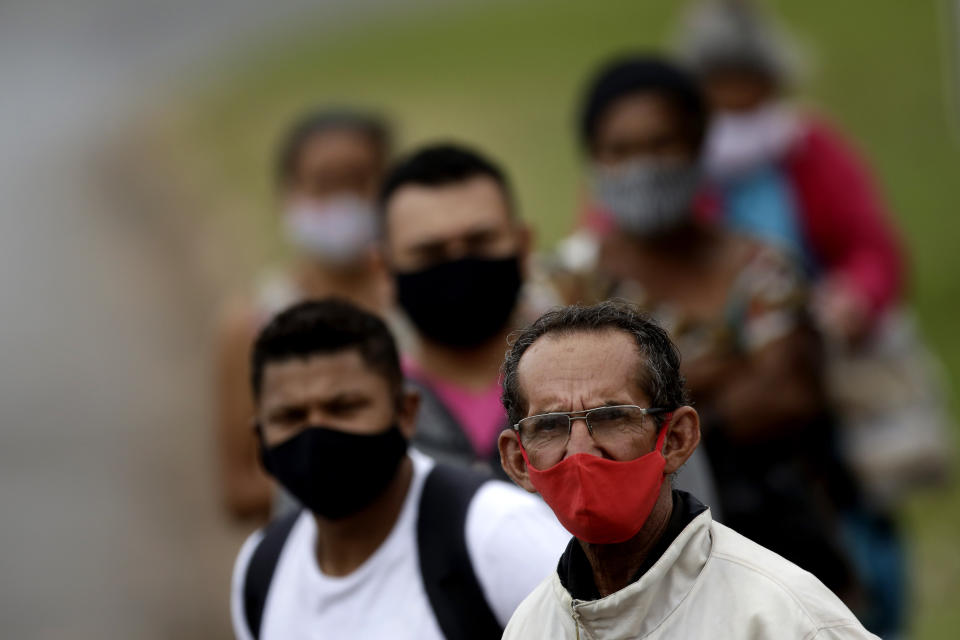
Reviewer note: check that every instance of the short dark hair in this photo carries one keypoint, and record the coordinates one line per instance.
(633, 74)
(321, 327)
(321, 120)
(659, 375)
(439, 165)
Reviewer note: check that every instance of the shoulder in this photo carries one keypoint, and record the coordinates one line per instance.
(238, 614)
(501, 510)
(542, 614)
(514, 541)
(777, 587)
(247, 310)
(243, 557)
(288, 534)
(287, 527)
(824, 155)
(821, 134)
(237, 320)
(275, 288)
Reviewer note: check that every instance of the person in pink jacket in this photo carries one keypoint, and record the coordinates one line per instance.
(788, 176)
(845, 222)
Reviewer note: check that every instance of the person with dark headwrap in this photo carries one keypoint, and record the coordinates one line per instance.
(786, 175)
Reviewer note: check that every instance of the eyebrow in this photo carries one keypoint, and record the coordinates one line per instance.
(342, 397)
(470, 234)
(607, 403)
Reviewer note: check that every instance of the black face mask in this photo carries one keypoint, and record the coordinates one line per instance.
(333, 473)
(462, 303)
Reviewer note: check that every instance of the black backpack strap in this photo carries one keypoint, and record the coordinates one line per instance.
(455, 594)
(263, 562)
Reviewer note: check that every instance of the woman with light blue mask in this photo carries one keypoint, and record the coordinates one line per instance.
(328, 168)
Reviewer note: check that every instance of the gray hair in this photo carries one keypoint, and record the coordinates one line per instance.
(659, 374)
(722, 34)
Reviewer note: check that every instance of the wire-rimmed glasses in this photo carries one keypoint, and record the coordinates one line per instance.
(547, 434)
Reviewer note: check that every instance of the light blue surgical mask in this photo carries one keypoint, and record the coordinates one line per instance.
(339, 230)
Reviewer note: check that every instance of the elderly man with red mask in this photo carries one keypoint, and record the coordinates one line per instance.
(601, 422)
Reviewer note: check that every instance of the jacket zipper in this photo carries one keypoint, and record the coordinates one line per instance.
(576, 618)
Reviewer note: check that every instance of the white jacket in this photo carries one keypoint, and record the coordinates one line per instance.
(711, 582)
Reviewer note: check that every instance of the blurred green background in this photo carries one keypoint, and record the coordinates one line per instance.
(506, 76)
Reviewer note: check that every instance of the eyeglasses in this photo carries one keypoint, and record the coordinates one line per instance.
(547, 434)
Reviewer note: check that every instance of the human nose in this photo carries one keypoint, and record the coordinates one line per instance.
(457, 250)
(315, 415)
(581, 440)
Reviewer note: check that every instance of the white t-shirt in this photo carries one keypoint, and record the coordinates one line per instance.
(513, 539)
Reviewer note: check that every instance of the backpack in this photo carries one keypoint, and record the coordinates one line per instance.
(451, 585)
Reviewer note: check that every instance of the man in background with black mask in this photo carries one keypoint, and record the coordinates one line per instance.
(458, 252)
(388, 544)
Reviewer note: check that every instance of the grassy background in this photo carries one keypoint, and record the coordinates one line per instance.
(506, 77)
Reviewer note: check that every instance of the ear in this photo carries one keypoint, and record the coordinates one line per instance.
(407, 413)
(375, 258)
(385, 287)
(511, 459)
(682, 438)
(525, 237)
(260, 435)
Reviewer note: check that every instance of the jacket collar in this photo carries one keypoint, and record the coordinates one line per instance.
(643, 605)
(575, 571)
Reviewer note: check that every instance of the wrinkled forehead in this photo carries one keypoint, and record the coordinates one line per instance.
(581, 369)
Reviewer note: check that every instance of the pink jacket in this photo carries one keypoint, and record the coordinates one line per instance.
(845, 221)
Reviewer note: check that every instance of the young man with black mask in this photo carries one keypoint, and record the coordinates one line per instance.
(388, 544)
(458, 252)
(328, 167)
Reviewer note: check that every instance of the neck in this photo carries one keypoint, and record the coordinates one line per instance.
(343, 545)
(359, 281)
(614, 565)
(659, 261)
(473, 368)
(680, 241)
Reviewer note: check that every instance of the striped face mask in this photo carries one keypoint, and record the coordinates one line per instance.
(647, 197)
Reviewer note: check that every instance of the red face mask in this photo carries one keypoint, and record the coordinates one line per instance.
(602, 501)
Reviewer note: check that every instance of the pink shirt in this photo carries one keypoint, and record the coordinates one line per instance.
(479, 412)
